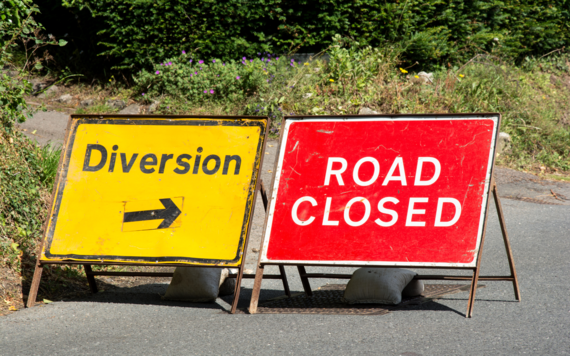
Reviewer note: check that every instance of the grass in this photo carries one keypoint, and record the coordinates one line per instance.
(48, 164)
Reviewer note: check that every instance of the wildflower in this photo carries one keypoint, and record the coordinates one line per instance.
(224, 64)
(251, 61)
(161, 64)
(157, 72)
(196, 73)
(169, 63)
(268, 80)
(205, 92)
(218, 75)
(461, 75)
(238, 77)
(200, 62)
(403, 70)
(331, 80)
(142, 94)
(212, 91)
(200, 68)
(277, 58)
(183, 52)
(306, 64)
(292, 60)
(190, 61)
(259, 54)
(416, 76)
(263, 59)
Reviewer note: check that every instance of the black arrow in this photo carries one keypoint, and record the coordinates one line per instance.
(169, 214)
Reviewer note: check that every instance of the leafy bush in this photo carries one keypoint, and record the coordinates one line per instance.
(259, 84)
(26, 172)
(138, 33)
(197, 80)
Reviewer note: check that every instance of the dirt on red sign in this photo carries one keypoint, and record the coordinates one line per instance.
(381, 191)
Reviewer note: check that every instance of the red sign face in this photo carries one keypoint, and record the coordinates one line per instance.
(381, 191)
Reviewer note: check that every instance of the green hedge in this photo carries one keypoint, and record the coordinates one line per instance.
(139, 33)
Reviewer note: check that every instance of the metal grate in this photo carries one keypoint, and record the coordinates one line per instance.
(328, 300)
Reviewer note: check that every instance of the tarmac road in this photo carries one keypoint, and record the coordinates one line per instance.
(136, 321)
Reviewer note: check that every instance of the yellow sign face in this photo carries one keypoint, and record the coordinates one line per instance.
(155, 190)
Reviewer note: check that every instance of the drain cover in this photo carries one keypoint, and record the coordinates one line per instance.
(328, 300)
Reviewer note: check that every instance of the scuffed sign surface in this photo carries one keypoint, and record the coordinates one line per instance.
(155, 190)
(381, 191)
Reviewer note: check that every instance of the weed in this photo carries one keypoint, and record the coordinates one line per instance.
(49, 162)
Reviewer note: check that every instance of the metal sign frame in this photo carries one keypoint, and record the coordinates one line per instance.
(88, 261)
(490, 187)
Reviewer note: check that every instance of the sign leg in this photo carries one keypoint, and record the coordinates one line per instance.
(471, 302)
(35, 285)
(256, 290)
(507, 243)
(90, 278)
(284, 279)
(239, 278)
(305, 281)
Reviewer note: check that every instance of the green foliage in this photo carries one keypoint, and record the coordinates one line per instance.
(48, 163)
(22, 207)
(16, 22)
(26, 172)
(357, 64)
(257, 83)
(139, 33)
(12, 103)
(198, 81)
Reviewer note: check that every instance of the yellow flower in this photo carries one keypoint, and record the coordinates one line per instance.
(306, 64)
(403, 70)
(461, 75)
(416, 76)
(332, 80)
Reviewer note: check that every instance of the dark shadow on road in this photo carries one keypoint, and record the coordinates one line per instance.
(151, 294)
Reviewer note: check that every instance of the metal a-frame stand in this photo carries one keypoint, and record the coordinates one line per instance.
(475, 278)
(90, 274)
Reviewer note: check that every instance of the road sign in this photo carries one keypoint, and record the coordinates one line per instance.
(404, 190)
(155, 190)
(381, 192)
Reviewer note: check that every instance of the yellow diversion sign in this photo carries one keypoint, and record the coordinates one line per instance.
(155, 190)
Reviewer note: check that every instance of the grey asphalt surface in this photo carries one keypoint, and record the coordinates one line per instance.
(136, 321)
(46, 127)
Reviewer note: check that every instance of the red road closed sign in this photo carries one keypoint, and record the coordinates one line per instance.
(382, 191)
